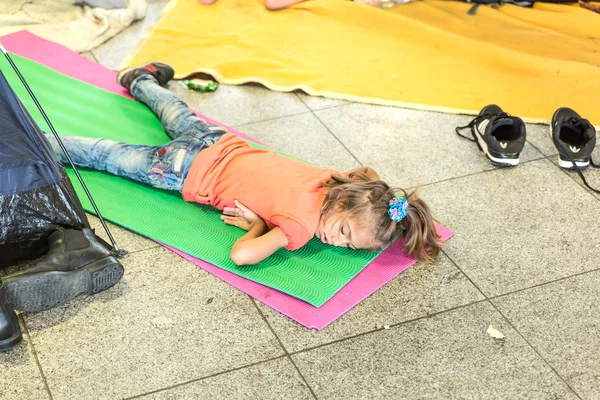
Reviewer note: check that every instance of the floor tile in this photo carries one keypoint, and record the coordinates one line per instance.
(562, 321)
(126, 240)
(421, 290)
(112, 53)
(407, 147)
(20, 377)
(165, 323)
(277, 379)
(519, 227)
(239, 105)
(319, 103)
(539, 136)
(302, 136)
(448, 356)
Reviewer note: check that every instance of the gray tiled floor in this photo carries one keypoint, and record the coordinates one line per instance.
(443, 357)
(421, 291)
(21, 377)
(158, 328)
(277, 379)
(524, 260)
(561, 321)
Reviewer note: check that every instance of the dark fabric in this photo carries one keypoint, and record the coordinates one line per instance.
(26, 158)
(36, 196)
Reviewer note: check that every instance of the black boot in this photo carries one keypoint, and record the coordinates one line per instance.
(10, 331)
(76, 263)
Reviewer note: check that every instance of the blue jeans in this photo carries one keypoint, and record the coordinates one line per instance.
(163, 167)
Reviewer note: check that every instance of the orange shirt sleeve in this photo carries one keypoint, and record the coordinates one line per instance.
(296, 234)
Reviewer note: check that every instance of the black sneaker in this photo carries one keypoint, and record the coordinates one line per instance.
(162, 72)
(574, 138)
(500, 136)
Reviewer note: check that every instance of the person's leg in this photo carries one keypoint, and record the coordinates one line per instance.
(174, 114)
(163, 167)
(145, 84)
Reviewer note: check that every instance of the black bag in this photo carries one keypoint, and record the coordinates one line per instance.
(36, 196)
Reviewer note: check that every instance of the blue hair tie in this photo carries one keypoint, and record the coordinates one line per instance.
(398, 208)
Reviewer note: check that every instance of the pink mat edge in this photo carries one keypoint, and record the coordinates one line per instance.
(371, 278)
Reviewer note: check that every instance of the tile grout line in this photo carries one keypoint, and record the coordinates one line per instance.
(544, 283)
(141, 395)
(408, 321)
(535, 350)
(473, 174)
(240, 126)
(287, 354)
(336, 138)
(300, 98)
(37, 360)
(466, 276)
(536, 149)
(94, 56)
(544, 157)
(322, 97)
(309, 111)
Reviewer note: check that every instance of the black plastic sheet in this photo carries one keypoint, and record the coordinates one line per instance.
(36, 196)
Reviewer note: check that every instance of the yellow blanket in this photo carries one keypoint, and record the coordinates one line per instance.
(426, 55)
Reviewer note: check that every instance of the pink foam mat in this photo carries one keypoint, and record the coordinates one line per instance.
(385, 267)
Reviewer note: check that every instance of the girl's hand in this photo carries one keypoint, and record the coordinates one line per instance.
(240, 216)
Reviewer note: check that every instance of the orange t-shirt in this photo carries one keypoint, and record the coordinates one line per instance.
(284, 192)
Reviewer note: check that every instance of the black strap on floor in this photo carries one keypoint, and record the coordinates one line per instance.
(578, 170)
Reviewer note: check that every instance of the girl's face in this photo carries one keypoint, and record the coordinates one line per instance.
(332, 230)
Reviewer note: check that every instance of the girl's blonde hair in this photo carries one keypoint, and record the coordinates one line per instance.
(366, 201)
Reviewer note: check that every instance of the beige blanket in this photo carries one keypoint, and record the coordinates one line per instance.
(78, 27)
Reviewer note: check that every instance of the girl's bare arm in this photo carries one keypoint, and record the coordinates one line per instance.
(258, 244)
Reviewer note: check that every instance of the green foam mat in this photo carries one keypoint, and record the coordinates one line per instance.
(314, 273)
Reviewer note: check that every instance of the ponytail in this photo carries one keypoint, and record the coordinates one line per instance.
(422, 240)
